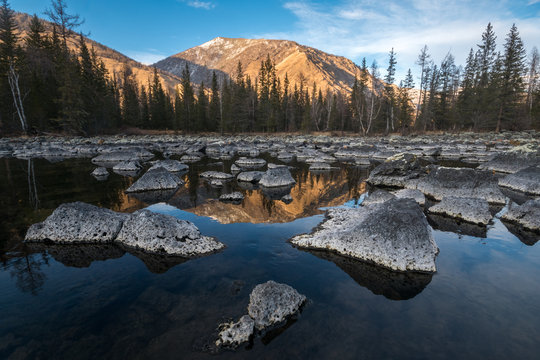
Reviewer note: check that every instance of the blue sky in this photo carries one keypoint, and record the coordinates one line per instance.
(151, 30)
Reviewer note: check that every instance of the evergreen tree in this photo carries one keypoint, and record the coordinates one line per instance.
(389, 90)
(214, 111)
(188, 100)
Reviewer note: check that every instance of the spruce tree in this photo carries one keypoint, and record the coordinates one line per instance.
(389, 90)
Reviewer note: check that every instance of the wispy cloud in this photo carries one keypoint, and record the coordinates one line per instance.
(148, 57)
(207, 5)
(370, 28)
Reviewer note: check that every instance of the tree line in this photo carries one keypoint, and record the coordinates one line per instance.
(47, 87)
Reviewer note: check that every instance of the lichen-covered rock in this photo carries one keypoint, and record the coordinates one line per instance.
(377, 197)
(216, 175)
(460, 182)
(232, 197)
(511, 162)
(78, 223)
(271, 303)
(249, 163)
(157, 179)
(414, 194)
(171, 166)
(526, 180)
(395, 171)
(165, 234)
(526, 215)
(277, 177)
(250, 176)
(394, 234)
(472, 210)
(234, 334)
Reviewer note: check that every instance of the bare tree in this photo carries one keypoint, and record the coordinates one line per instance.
(60, 17)
(18, 98)
(423, 61)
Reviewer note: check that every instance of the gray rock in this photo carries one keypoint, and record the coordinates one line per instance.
(235, 169)
(234, 334)
(248, 163)
(157, 179)
(511, 162)
(191, 158)
(165, 234)
(472, 210)
(78, 223)
(526, 180)
(378, 196)
(217, 183)
(119, 156)
(320, 166)
(287, 199)
(395, 171)
(100, 173)
(233, 197)
(526, 215)
(278, 177)
(250, 176)
(460, 182)
(127, 166)
(416, 195)
(216, 175)
(271, 303)
(171, 166)
(394, 234)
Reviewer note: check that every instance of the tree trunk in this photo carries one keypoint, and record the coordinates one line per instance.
(13, 79)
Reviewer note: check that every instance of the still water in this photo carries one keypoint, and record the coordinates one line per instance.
(86, 302)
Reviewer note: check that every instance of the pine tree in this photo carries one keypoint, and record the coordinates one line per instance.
(188, 100)
(214, 111)
(423, 62)
(389, 90)
(201, 109)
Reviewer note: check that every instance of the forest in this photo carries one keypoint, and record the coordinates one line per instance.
(46, 87)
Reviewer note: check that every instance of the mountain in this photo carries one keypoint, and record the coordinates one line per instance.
(114, 61)
(297, 61)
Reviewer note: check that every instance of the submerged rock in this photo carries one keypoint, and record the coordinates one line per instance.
(414, 194)
(394, 234)
(526, 180)
(250, 176)
(78, 223)
(171, 166)
(277, 177)
(157, 179)
(165, 234)
(396, 171)
(271, 303)
(472, 210)
(526, 215)
(460, 182)
(234, 334)
(377, 197)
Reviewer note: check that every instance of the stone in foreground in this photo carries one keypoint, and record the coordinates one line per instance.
(460, 182)
(157, 179)
(234, 334)
(277, 177)
(526, 180)
(511, 162)
(472, 210)
(78, 223)
(271, 303)
(394, 234)
(165, 234)
(526, 215)
(416, 195)
(396, 171)
(377, 197)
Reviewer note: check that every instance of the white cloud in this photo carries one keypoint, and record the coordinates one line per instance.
(370, 28)
(207, 5)
(148, 57)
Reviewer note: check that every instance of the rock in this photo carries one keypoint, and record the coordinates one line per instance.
(100, 173)
(217, 183)
(216, 175)
(271, 303)
(248, 163)
(319, 166)
(234, 334)
(460, 182)
(526, 180)
(394, 234)
(511, 162)
(127, 166)
(235, 169)
(278, 177)
(416, 195)
(285, 156)
(232, 197)
(395, 171)
(191, 158)
(127, 155)
(472, 210)
(171, 166)
(250, 176)
(377, 197)
(78, 223)
(449, 224)
(165, 234)
(526, 215)
(157, 179)
(287, 199)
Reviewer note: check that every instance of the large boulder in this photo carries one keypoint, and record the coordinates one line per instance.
(472, 210)
(78, 223)
(271, 303)
(396, 171)
(511, 162)
(394, 234)
(165, 234)
(460, 182)
(526, 215)
(526, 180)
(277, 177)
(157, 179)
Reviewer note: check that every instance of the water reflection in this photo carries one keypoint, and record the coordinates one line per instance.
(27, 270)
(443, 223)
(391, 284)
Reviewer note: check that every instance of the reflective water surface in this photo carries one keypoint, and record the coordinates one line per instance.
(89, 302)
